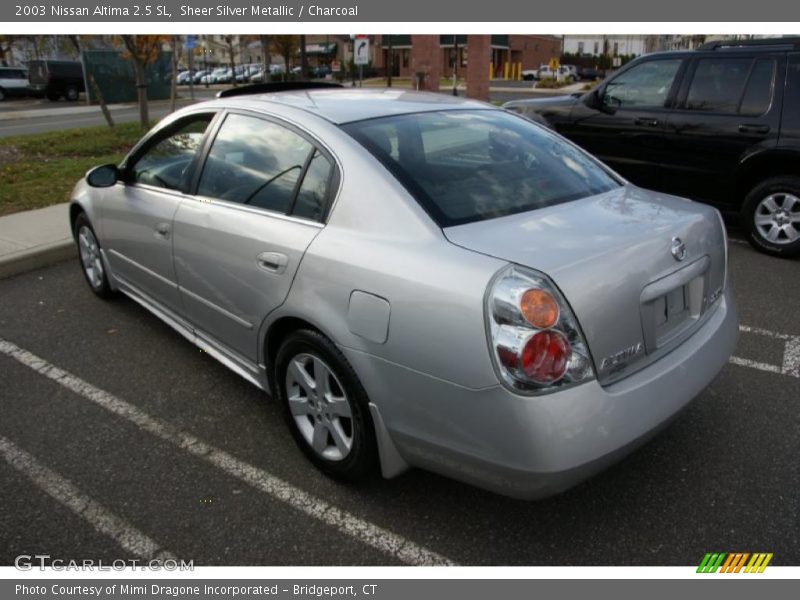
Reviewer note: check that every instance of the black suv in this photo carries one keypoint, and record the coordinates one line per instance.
(56, 78)
(720, 124)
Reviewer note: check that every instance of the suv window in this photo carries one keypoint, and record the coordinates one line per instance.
(12, 74)
(646, 85)
(758, 93)
(255, 162)
(731, 85)
(165, 163)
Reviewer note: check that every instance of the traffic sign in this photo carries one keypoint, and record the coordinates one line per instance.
(190, 42)
(361, 51)
(554, 64)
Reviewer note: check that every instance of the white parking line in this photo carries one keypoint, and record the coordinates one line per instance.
(790, 363)
(66, 493)
(368, 533)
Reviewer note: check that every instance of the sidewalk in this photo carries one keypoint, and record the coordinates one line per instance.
(35, 238)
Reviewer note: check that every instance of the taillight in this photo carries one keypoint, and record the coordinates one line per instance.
(534, 338)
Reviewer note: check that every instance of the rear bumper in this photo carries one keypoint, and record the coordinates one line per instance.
(533, 447)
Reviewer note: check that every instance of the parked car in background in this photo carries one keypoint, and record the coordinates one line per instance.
(321, 71)
(55, 79)
(198, 77)
(530, 74)
(511, 313)
(589, 73)
(14, 82)
(719, 124)
(571, 71)
(185, 77)
(545, 72)
(214, 76)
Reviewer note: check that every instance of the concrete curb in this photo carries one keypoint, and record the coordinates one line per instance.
(36, 258)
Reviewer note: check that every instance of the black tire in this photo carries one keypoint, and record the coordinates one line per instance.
(99, 285)
(362, 458)
(752, 208)
(72, 94)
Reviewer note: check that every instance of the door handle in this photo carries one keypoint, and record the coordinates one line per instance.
(643, 121)
(274, 262)
(162, 230)
(745, 128)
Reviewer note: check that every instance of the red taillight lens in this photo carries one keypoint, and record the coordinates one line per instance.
(545, 356)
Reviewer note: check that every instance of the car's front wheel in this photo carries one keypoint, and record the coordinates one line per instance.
(91, 259)
(771, 216)
(325, 405)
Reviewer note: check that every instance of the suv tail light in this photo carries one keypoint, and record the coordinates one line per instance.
(534, 339)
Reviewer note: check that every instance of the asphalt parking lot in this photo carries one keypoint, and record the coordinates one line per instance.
(119, 439)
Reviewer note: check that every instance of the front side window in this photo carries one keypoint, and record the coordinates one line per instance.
(266, 165)
(646, 85)
(165, 163)
(473, 165)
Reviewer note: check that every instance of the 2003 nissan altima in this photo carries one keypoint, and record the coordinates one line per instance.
(420, 280)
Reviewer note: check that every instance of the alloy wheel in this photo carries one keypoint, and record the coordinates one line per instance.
(320, 407)
(777, 218)
(90, 257)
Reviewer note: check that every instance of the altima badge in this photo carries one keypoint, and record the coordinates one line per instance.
(678, 249)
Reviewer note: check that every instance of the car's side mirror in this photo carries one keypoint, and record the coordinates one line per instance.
(103, 176)
(598, 99)
(610, 104)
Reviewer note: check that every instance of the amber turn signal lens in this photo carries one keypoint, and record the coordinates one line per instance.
(539, 308)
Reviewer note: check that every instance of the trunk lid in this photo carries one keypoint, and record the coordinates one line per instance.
(611, 256)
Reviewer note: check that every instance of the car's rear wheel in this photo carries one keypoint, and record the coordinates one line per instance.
(72, 93)
(326, 407)
(91, 259)
(771, 216)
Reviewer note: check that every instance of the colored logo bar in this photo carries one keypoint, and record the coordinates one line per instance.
(734, 562)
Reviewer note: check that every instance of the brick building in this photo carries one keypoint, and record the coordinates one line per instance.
(530, 50)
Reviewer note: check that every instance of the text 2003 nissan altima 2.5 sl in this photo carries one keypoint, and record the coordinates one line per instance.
(420, 280)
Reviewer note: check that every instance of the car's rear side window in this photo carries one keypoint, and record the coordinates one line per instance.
(791, 101)
(472, 165)
(732, 85)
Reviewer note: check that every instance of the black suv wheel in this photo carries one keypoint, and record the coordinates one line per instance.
(771, 216)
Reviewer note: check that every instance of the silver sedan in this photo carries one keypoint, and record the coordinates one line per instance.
(420, 280)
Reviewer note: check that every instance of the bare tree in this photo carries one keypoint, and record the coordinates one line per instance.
(265, 58)
(229, 41)
(303, 58)
(96, 92)
(286, 46)
(142, 50)
(6, 47)
(173, 90)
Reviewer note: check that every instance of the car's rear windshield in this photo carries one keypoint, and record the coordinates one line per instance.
(473, 165)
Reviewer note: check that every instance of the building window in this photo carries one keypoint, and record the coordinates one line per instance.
(616, 48)
(580, 47)
(597, 48)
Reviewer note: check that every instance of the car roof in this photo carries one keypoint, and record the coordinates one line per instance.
(345, 105)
